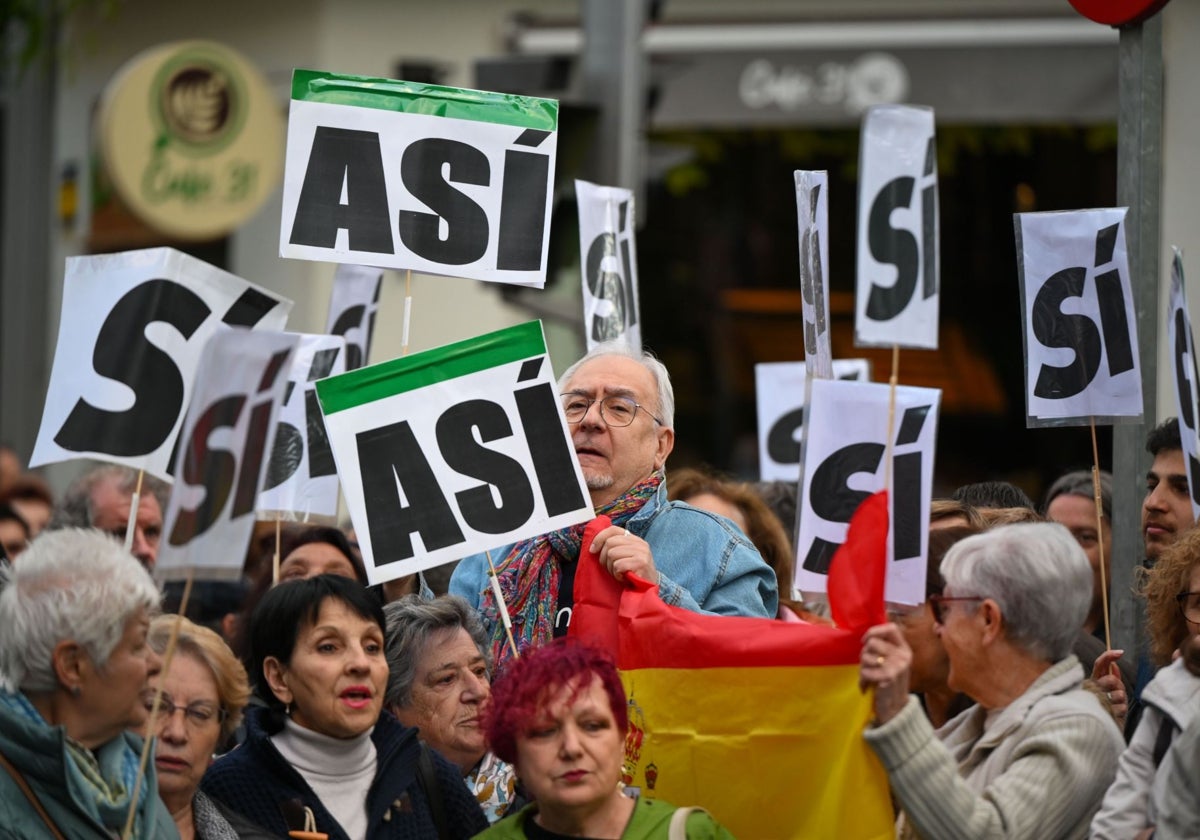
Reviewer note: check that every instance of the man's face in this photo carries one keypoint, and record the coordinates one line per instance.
(1167, 508)
(110, 512)
(614, 458)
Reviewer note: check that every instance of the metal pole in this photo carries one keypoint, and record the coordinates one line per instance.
(1139, 182)
(614, 78)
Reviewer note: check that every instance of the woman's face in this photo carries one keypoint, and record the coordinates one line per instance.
(337, 676)
(110, 695)
(187, 736)
(316, 558)
(571, 756)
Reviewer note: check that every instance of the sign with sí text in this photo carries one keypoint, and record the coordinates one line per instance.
(844, 464)
(224, 447)
(353, 303)
(453, 451)
(132, 328)
(403, 175)
(1182, 346)
(608, 257)
(812, 218)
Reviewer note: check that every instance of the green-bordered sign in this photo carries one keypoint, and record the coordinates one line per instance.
(453, 451)
(403, 175)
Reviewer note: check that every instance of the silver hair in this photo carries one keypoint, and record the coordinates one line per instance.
(662, 378)
(1079, 483)
(1038, 575)
(411, 623)
(74, 509)
(71, 584)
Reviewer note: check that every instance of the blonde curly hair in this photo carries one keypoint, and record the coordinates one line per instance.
(1159, 585)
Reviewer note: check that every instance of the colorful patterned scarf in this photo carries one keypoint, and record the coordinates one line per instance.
(529, 575)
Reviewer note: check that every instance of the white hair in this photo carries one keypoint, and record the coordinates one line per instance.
(1038, 575)
(77, 584)
(662, 379)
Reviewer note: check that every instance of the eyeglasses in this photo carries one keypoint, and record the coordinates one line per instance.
(937, 604)
(198, 715)
(1189, 605)
(615, 411)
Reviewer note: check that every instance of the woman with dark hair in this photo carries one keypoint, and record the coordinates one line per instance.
(323, 755)
(559, 714)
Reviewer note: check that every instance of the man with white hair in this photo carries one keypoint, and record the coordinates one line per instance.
(620, 408)
(103, 498)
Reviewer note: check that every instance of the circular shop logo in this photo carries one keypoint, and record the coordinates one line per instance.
(197, 102)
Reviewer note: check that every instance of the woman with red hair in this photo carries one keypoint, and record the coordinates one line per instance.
(559, 714)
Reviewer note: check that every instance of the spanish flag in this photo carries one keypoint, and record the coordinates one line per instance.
(758, 721)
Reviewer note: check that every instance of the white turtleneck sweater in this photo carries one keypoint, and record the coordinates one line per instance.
(339, 770)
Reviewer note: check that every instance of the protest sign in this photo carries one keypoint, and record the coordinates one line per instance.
(130, 335)
(1187, 382)
(352, 307)
(845, 463)
(453, 451)
(404, 175)
(780, 392)
(301, 479)
(608, 260)
(896, 302)
(812, 214)
(223, 452)
(1080, 330)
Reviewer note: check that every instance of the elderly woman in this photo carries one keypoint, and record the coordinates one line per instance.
(323, 755)
(73, 663)
(1035, 755)
(203, 692)
(1071, 501)
(1170, 702)
(559, 713)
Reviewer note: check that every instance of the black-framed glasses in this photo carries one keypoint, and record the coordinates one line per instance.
(615, 411)
(198, 715)
(938, 604)
(1189, 605)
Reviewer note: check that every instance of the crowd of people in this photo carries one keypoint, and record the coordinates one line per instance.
(301, 699)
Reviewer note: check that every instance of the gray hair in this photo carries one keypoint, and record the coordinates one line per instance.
(1079, 483)
(74, 509)
(1038, 575)
(411, 622)
(71, 584)
(662, 379)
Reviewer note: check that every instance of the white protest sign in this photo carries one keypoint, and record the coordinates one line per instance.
(1080, 330)
(812, 214)
(608, 258)
(130, 334)
(1187, 382)
(896, 300)
(352, 307)
(404, 175)
(223, 453)
(779, 390)
(453, 451)
(301, 479)
(847, 442)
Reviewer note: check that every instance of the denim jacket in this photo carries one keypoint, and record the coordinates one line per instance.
(705, 563)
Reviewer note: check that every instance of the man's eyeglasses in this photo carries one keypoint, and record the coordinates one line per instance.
(615, 411)
(1189, 605)
(198, 715)
(938, 604)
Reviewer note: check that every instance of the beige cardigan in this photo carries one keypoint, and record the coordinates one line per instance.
(1039, 771)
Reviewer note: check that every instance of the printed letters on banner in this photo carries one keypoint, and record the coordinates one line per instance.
(896, 302)
(404, 175)
(301, 481)
(812, 212)
(1080, 330)
(352, 307)
(130, 334)
(847, 441)
(1187, 382)
(453, 451)
(223, 452)
(608, 262)
(780, 389)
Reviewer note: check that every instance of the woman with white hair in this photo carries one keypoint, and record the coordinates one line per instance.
(1034, 757)
(73, 664)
